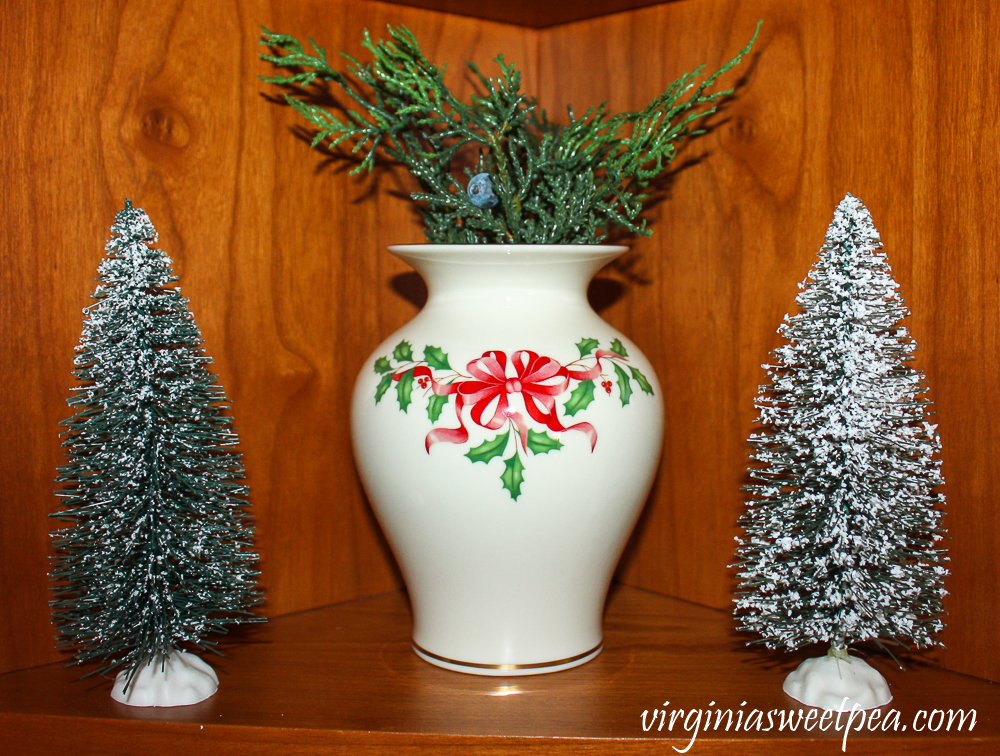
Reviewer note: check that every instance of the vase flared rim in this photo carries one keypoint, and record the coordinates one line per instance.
(508, 248)
(507, 254)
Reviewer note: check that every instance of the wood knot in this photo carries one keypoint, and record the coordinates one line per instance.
(741, 128)
(164, 125)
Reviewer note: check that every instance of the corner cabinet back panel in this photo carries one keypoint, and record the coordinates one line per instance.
(282, 254)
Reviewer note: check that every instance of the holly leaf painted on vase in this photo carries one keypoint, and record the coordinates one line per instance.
(383, 386)
(582, 396)
(542, 443)
(403, 351)
(489, 449)
(382, 365)
(512, 476)
(435, 405)
(624, 384)
(641, 380)
(404, 390)
(586, 346)
(618, 348)
(436, 358)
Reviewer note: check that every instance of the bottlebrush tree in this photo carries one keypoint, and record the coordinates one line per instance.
(157, 553)
(842, 533)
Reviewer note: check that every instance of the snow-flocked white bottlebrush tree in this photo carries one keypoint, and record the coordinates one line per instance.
(842, 533)
(157, 553)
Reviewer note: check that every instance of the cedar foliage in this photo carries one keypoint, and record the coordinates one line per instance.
(556, 183)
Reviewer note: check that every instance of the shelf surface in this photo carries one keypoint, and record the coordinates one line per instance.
(343, 679)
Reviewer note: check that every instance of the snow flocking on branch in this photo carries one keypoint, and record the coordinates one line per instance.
(841, 535)
(157, 553)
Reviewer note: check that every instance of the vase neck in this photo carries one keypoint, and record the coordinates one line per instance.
(514, 270)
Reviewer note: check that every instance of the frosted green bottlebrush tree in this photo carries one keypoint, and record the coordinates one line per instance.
(842, 534)
(496, 170)
(157, 551)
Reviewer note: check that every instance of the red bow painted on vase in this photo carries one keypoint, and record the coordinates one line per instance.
(539, 380)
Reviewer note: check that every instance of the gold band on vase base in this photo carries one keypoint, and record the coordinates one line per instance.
(537, 665)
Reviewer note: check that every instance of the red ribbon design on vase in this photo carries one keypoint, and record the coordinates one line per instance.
(539, 380)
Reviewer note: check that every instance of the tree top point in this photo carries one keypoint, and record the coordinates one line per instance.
(133, 223)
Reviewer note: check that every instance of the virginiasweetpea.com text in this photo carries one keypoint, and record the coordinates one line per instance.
(693, 722)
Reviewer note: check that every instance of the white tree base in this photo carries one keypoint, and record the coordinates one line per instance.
(826, 681)
(184, 680)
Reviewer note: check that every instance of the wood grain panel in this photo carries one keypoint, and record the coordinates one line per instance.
(54, 205)
(336, 294)
(956, 268)
(281, 254)
(893, 102)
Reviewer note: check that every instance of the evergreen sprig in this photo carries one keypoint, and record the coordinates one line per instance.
(555, 183)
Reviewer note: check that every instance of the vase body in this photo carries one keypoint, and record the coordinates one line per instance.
(507, 438)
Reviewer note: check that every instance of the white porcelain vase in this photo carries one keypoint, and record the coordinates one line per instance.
(507, 438)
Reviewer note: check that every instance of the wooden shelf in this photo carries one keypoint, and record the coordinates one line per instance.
(343, 679)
